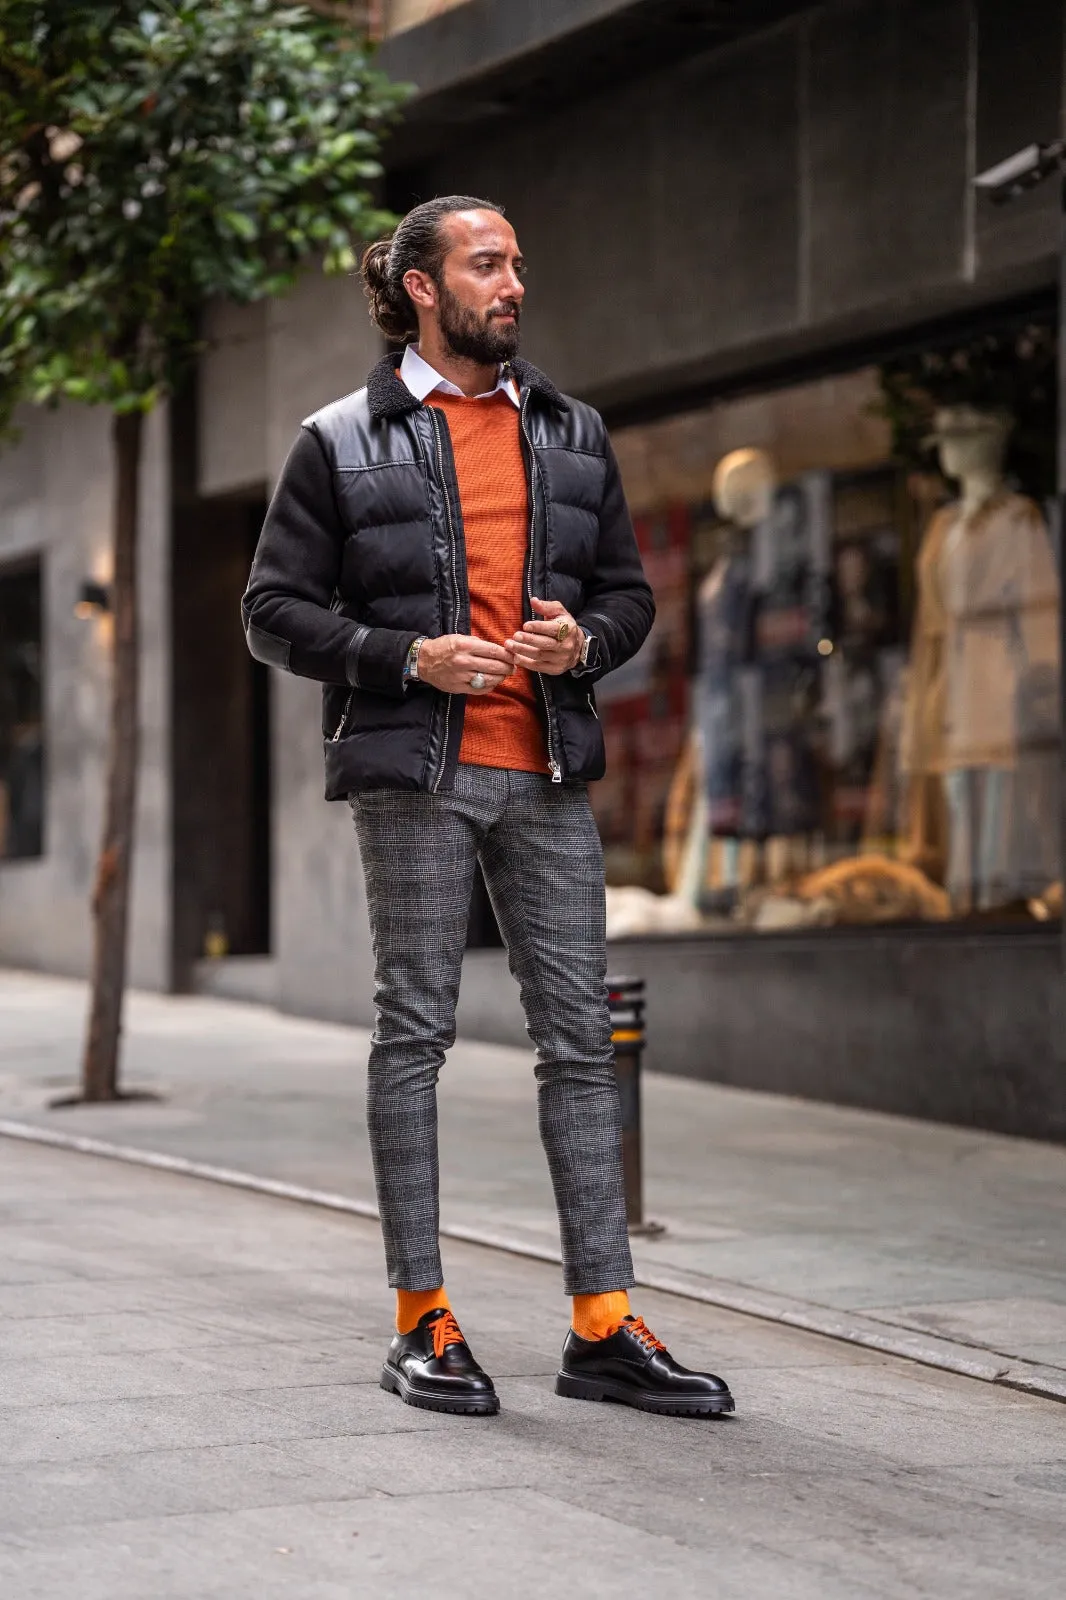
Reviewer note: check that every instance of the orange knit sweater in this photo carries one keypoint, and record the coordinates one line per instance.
(502, 729)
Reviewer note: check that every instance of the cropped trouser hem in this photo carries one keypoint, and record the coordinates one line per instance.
(417, 1276)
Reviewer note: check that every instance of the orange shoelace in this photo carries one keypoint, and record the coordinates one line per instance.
(445, 1332)
(640, 1330)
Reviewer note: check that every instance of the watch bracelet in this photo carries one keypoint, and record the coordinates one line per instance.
(410, 670)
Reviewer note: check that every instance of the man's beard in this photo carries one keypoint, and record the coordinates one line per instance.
(478, 336)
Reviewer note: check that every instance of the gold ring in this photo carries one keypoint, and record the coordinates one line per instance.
(562, 630)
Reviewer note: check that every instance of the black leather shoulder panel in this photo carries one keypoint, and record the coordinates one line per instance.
(578, 428)
(354, 441)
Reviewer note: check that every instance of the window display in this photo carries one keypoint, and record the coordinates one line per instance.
(21, 727)
(981, 709)
(848, 709)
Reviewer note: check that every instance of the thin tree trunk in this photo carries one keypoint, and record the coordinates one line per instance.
(112, 890)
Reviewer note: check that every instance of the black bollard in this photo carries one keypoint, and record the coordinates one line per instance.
(626, 999)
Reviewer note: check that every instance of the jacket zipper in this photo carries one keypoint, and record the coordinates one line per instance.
(553, 762)
(344, 717)
(354, 689)
(455, 581)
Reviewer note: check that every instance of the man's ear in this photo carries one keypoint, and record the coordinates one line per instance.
(421, 288)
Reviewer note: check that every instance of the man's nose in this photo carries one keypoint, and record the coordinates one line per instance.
(515, 288)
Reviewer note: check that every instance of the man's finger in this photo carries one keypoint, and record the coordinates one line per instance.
(469, 662)
(547, 608)
(543, 639)
(547, 630)
(474, 672)
(538, 642)
(482, 650)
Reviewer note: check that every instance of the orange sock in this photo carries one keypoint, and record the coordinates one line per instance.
(414, 1303)
(597, 1315)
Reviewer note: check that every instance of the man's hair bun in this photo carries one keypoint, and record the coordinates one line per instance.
(390, 305)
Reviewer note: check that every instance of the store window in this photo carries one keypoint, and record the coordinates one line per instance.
(848, 709)
(21, 716)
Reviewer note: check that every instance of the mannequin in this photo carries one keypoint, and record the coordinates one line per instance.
(727, 732)
(981, 713)
(742, 489)
(755, 629)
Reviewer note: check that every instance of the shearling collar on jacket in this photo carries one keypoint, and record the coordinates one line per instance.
(388, 396)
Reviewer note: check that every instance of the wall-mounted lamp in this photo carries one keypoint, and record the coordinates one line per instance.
(94, 599)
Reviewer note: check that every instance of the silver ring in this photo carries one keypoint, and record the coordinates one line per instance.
(478, 681)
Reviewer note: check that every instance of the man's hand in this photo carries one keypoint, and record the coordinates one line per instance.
(539, 646)
(449, 663)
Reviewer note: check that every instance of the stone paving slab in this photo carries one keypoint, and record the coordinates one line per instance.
(274, 1467)
(942, 1243)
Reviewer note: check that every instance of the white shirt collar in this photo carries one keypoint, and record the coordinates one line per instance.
(422, 380)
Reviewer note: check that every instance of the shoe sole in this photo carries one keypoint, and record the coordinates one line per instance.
(477, 1406)
(574, 1388)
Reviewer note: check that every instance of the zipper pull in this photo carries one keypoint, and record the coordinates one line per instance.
(557, 775)
(344, 718)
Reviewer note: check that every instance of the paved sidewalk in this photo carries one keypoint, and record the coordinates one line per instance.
(943, 1243)
(189, 1410)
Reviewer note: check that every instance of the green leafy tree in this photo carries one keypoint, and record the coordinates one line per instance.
(155, 153)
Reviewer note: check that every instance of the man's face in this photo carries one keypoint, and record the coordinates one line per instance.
(480, 294)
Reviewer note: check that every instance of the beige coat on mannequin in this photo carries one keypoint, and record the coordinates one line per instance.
(981, 683)
(987, 612)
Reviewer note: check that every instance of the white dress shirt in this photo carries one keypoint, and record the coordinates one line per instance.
(422, 380)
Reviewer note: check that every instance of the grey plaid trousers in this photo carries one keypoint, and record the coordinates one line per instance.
(543, 865)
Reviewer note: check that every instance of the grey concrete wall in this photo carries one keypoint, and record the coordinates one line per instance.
(233, 398)
(807, 186)
(948, 1025)
(320, 345)
(267, 367)
(486, 34)
(299, 353)
(55, 499)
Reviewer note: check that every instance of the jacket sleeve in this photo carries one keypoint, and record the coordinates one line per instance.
(288, 606)
(619, 606)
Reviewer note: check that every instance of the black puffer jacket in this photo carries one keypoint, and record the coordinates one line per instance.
(362, 550)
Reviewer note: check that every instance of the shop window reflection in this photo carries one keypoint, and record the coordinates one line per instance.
(848, 710)
(21, 718)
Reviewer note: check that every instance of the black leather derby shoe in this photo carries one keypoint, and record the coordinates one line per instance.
(432, 1367)
(633, 1367)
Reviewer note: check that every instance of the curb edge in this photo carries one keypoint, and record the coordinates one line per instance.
(967, 1361)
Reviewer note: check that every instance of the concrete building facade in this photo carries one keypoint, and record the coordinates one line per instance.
(718, 206)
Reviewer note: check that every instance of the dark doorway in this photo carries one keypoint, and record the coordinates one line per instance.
(221, 756)
(21, 712)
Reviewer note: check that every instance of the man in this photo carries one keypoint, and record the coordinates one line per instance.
(448, 550)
